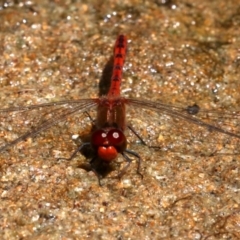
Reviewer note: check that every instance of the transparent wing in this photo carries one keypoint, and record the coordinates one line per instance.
(165, 126)
(173, 127)
(28, 121)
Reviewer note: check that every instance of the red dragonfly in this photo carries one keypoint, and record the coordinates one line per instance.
(108, 138)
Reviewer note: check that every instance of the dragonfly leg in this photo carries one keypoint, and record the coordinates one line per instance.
(139, 159)
(95, 171)
(75, 152)
(89, 116)
(91, 162)
(136, 134)
(129, 162)
(139, 137)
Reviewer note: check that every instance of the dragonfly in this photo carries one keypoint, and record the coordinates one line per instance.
(108, 138)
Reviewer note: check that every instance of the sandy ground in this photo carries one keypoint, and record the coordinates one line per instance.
(179, 52)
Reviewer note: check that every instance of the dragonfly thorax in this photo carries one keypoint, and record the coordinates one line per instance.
(111, 111)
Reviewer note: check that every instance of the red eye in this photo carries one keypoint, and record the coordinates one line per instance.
(116, 137)
(98, 137)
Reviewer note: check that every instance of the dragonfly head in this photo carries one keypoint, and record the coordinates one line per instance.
(108, 143)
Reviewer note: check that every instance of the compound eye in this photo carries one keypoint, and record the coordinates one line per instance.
(98, 137)
(116, 137)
